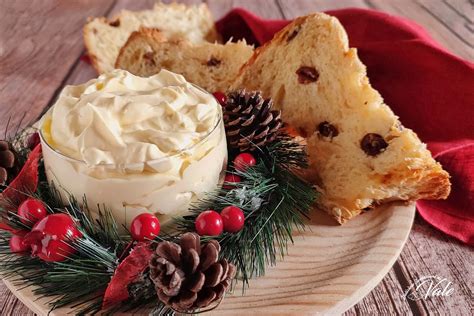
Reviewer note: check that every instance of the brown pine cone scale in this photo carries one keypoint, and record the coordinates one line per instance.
(189, 275)
(250, 121)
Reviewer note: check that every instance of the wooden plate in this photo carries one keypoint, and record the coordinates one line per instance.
(327, 270)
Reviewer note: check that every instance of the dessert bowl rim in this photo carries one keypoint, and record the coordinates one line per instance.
(132, 164)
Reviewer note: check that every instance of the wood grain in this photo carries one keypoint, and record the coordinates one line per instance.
(268, 9)
(327, 264)
(457, 19)
(292, 9)
(10, 305)
(31, 34)
(36, 54)
(433, 253)
(327, 270)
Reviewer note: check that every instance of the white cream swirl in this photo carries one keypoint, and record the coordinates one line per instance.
(120, 118)
(138, 144)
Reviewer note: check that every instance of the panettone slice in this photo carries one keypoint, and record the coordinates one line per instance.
(360, 154)
(103, 37)
(211, 66)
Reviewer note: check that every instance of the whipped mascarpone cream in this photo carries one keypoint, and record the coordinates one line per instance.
(135, 144)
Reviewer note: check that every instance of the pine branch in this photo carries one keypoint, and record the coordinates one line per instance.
(287, 152)
(287, 200)
(103, 229)
(77, 280)
(85, 274)
(82, 277)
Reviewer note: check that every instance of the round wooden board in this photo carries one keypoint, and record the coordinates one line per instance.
(327, 270)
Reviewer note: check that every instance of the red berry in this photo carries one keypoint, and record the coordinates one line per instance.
(17, 243)
(233, 218)
(229, 179)
(31, 211)
(243, 161)
(145, 226)
(220, 97)
(209, 223)
(50, 236)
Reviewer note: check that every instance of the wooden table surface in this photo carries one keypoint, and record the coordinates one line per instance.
(40, 52)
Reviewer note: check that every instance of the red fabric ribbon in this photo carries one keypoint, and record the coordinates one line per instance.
(127, 272)
(26, 182)
(431, 90)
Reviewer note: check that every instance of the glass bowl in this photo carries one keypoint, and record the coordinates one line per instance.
(165, 187)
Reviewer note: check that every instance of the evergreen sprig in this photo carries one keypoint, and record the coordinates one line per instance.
(84, 276)
(286, 200)
(286, 152)
(81, 279)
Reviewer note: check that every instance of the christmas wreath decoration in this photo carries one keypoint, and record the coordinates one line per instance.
(65, 253)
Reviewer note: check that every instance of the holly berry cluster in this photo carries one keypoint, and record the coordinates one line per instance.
(49, 235)
(241, 163)
(231, 218)
(146, 226)
(210, 223)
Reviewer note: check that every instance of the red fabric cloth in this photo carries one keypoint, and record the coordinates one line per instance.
(431, 90)
(126, 273)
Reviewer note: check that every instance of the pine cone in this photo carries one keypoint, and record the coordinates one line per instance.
(189, 275)
(8, 162)
(249, 120)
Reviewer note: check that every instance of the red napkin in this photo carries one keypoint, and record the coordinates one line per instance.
(430, 89)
